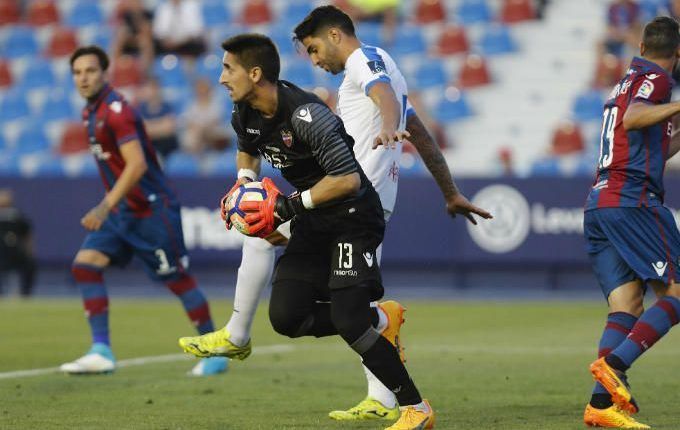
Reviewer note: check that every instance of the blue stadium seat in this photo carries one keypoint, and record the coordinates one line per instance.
(181, 164)
(283, 38)
(548, 166)
(295, 12)
(588, 106)
(411, 165)
(300, 73)
(409, 40)
(103, 38)
(496, 40)
(473, 11)
(20, 42)
(49, 165)
(39, 73)
(221, 164)
(452, 109)
(31, 139)
(649, 9)
(209, 66)
(13, 105)
(85, 13)
(9, 164)
(58, 107)
(170, 72)
(215, 13)
(430, 73)
(370, 33)
(3, 144)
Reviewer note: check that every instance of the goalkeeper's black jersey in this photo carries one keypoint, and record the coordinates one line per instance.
(305, 140)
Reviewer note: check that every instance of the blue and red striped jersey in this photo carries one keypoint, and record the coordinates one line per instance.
(110, 122)
(631, 163)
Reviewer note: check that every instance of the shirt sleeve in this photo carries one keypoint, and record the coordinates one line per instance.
(319, 128)
(367, 68)
(123, 122)
(652, 88)
(242, 142)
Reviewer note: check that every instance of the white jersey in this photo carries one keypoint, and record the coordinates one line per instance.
(365, 67)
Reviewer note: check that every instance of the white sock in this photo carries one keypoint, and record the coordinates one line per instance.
(379, 392)
(382, 317)
(254, 274)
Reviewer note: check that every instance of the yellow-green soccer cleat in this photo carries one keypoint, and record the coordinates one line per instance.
(215, 344)
(414, 419)
(367, 409)
(611, 417)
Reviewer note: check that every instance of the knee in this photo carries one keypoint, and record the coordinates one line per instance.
(91, 257)
(286, 321)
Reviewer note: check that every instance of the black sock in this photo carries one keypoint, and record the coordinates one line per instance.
(375, 317)
(601, 401)
(383, 360)
(616, 363)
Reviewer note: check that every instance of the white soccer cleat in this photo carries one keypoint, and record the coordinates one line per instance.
(99, 359)
(210, 366)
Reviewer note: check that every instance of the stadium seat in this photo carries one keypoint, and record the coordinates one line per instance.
(221, 164)
(103, 38)
(282, 37)
(430, 11)
(20, 42)
(513, 11)
(39, 73)
(126, 72)
(452, 40)
(62, 43)
(497, 40)
(370, 33)
(42, 12)
(547, 166)
(473, 11)
(3, 144)
(9, 12)
(256, 12)
(474, 72)
(46, 165)
(608, 72)
(215, 13)
(430, 73)
(74, 139)
(295, 12)
(453, 106)
(650, 9)
(57, 107)
(410, 40)
(13, 105)
(169, 70)
(85, 13)
(588, 106)
(209, 66)
(567, 138)
(182, 164)
(5, 74)
(31, 139)
(300, 73)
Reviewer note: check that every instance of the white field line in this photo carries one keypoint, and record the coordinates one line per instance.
(141, 361)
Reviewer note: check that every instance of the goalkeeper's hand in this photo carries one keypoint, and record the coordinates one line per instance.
(263, 217)
(224, 210)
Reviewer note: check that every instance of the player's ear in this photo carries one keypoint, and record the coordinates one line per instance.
(642, 49)
(334, 35)
(256, 74)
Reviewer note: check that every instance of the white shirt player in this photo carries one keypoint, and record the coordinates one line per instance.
(365, 67)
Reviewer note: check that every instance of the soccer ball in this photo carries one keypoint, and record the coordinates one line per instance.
(252, 191)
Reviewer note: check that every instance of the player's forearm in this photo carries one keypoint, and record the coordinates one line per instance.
(432, 157)
(246, 163)
(335, 188)
(640, 115)
(675, 137)
(384, 98)
(128, 179)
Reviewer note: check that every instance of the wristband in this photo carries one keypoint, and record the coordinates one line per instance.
(307, 199)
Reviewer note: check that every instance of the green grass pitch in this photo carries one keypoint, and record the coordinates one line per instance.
(482, 365)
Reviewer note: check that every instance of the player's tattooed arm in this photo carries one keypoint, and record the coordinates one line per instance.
(456, 202)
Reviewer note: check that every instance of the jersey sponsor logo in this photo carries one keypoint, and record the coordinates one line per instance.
(645, 90)
(252, 131)
(116, 106)
(351, 273)
(660, 267)
(287, 137)
(620, 88)
(275, 157)
(369, 258)
(98, 152)
(305, 115)
(377, 66)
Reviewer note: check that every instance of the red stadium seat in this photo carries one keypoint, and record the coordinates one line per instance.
(126, 72)
(474, 72)
(5, 75)
(608, 72)
(42, 12)
(62, 43)
(517, 11)
(9, 12)
(429, 11)
(74, 139)
(256, 12)
(567, 139)
(452, 40)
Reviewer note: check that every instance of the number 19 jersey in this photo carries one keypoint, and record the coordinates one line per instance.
(631, 163)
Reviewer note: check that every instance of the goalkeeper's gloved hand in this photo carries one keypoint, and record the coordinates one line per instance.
(263, 217)
(224, 210)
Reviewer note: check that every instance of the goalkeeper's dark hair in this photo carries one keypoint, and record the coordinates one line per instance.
(661, 37)
(322, 18)
(91, 50)
(255, 50)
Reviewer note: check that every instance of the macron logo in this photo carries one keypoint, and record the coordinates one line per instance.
(660, 267)
(369, 259)
(305, 115)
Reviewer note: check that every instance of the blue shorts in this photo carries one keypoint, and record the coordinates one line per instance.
(157, 240)
(625, 244)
